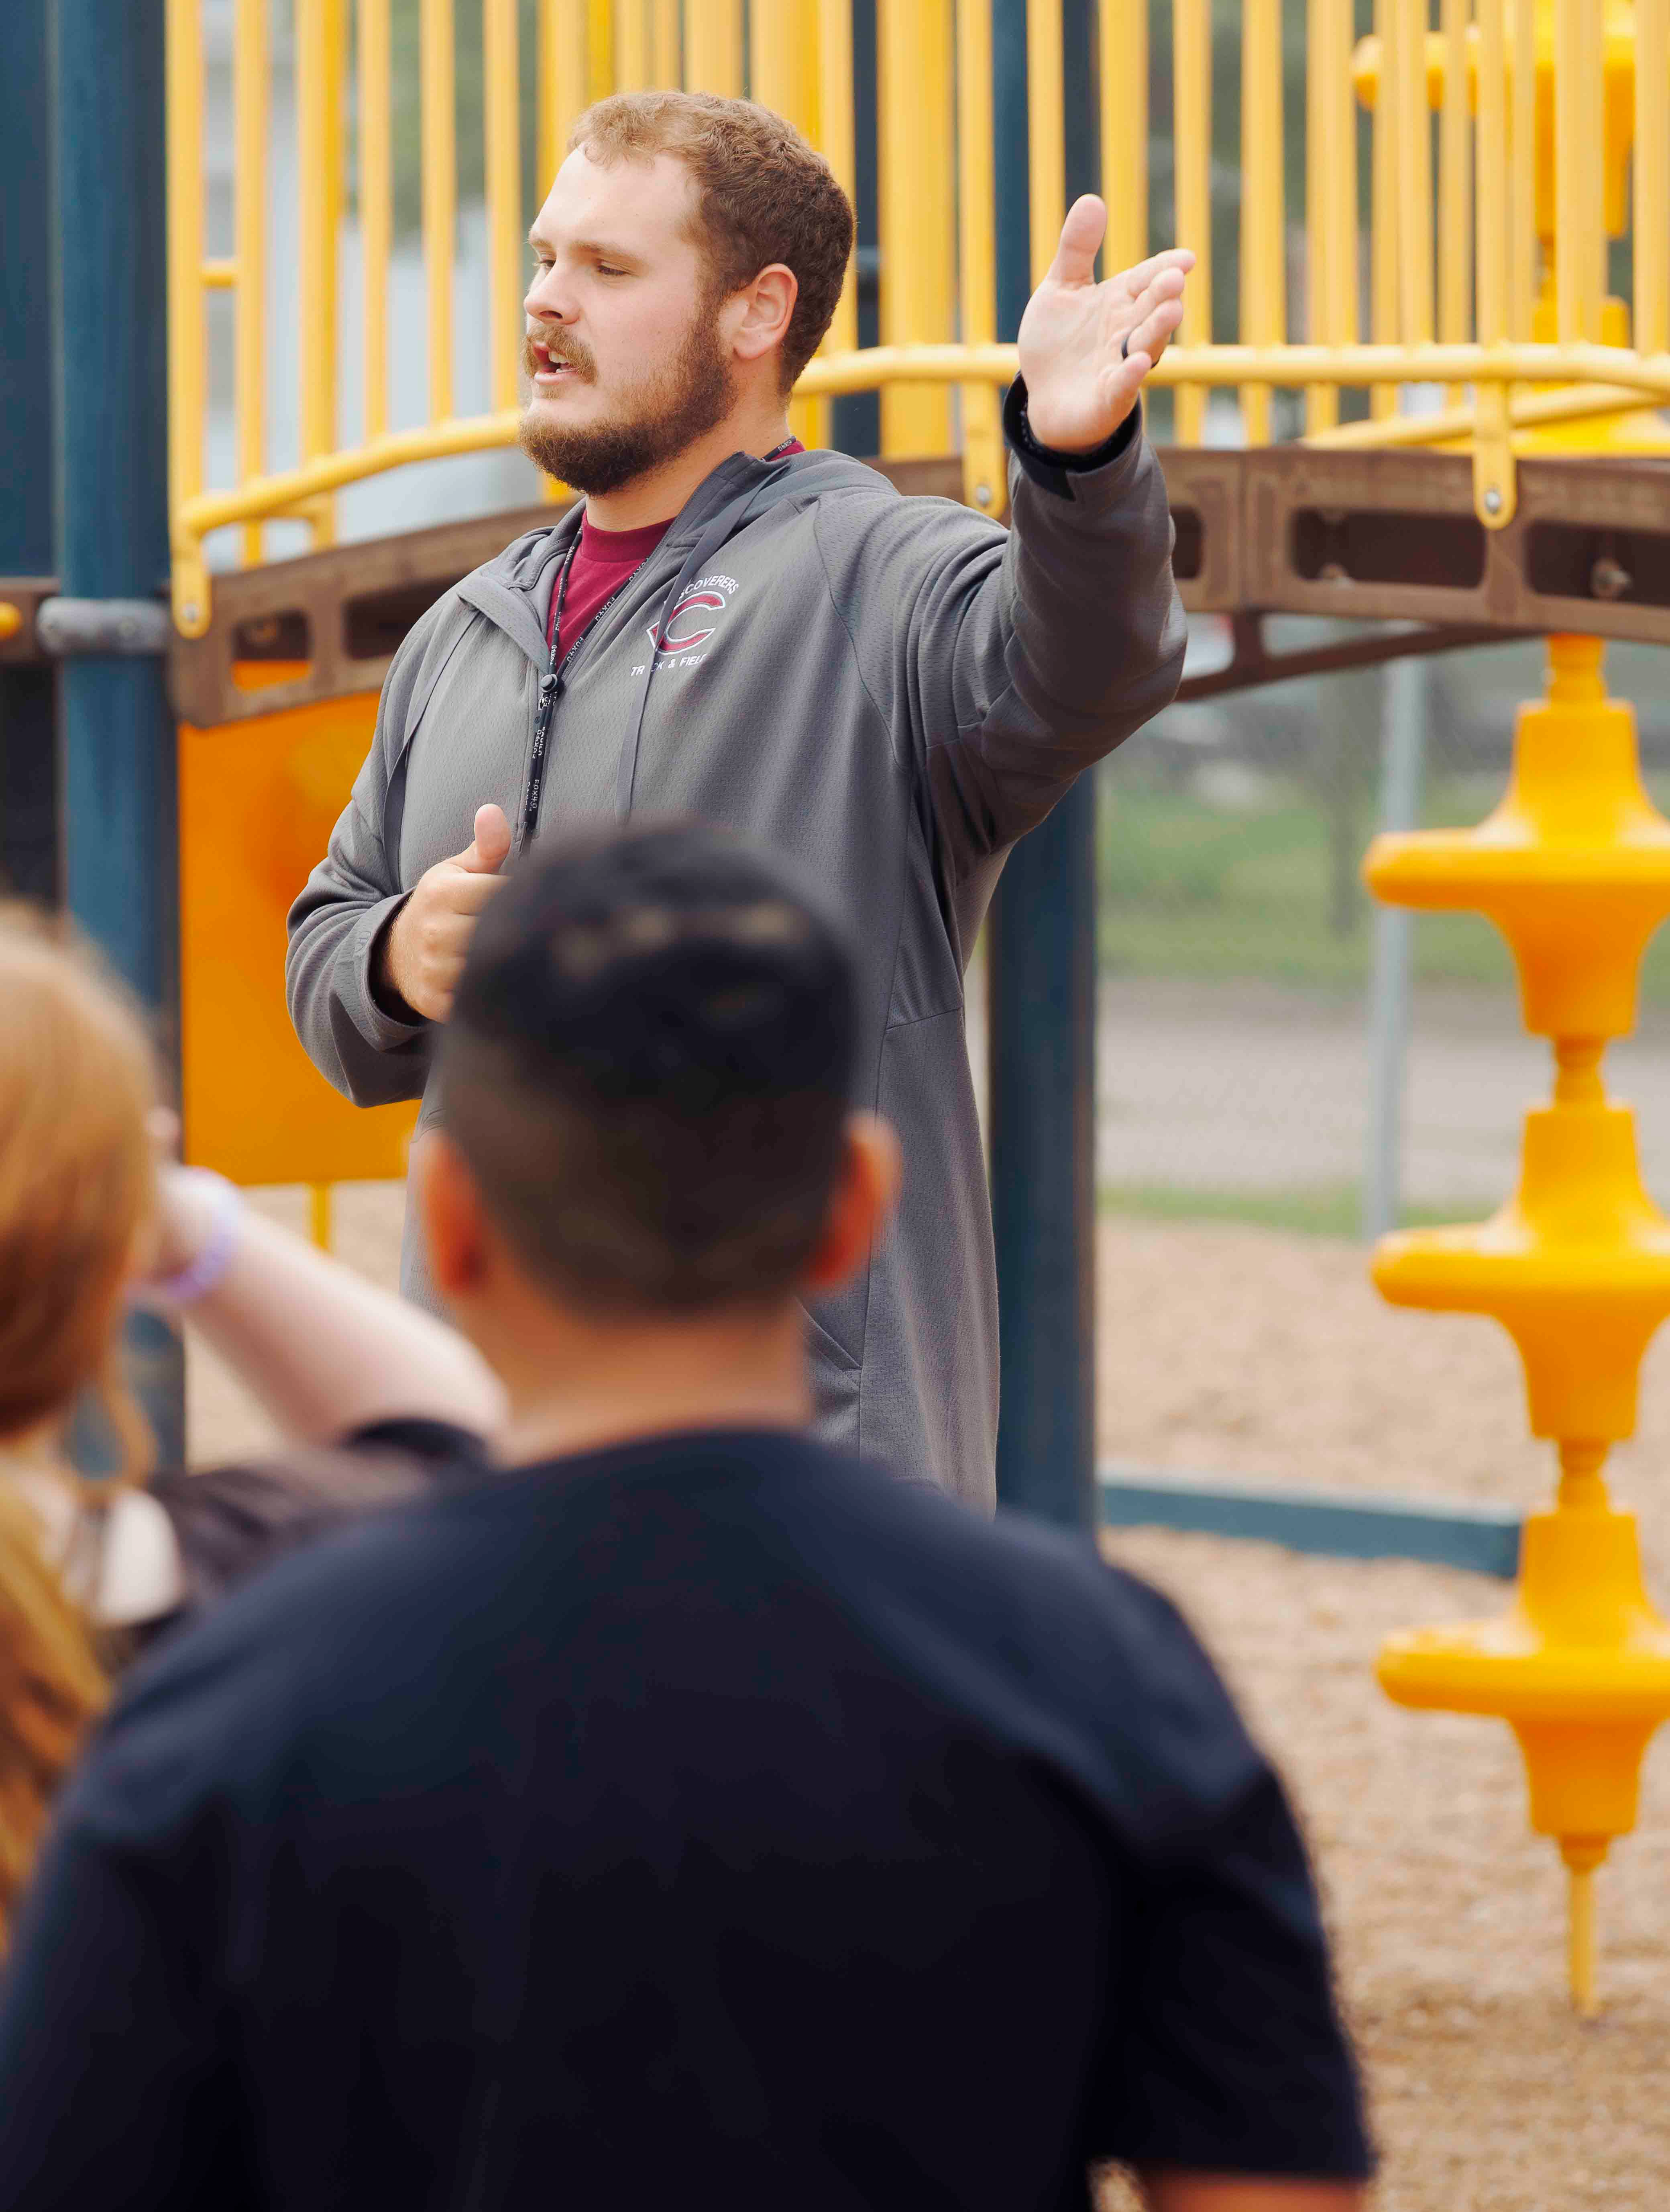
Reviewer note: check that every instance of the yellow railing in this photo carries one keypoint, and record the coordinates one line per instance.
(1487, 277)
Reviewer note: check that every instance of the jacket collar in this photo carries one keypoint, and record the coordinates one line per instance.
(514, 590)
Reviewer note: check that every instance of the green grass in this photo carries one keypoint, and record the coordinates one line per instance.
(1319, 1210)
(1194, 891)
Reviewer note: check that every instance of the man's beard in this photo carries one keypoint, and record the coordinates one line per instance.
(668, 412)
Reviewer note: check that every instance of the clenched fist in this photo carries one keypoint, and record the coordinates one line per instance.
(422, 950)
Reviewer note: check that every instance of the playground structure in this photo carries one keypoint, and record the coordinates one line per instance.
(1409, 426)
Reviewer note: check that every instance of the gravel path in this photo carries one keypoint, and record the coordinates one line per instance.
(1246, 1352)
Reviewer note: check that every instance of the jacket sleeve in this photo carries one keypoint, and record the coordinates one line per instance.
(1020, 659)
(369, 1056)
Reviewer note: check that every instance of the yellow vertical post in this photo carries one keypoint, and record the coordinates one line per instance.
(632, 67)
(319, 1214)
(600, 56)
(1492, 447)
(1454, 185)
(834, 115)
(376, 207)
(1412, 130)
(1579, 141)
(1122, 74)
(1386, 215)
(713, 47)
(249, 102)
(186, 366)
(563, 82)
(1522, 175)
(1046, 141)
(319, 25)
(1330, 196)
(917, 244)
(983, 465)
(501, 106)
(1191, 53)
(666, 44)
(439, 141)
(783, 74)
(1651, 245)
(1263, 217)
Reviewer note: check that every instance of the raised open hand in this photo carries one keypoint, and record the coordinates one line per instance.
(1084, 347)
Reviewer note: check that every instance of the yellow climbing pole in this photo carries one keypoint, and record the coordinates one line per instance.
(1574, 868)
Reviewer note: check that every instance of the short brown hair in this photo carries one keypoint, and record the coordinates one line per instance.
(765, 195)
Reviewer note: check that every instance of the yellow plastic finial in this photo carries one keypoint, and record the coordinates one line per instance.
(11, 618)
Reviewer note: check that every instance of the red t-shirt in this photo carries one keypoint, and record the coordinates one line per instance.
(604, 559)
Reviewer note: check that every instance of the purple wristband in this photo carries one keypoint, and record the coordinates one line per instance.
(192, 1283)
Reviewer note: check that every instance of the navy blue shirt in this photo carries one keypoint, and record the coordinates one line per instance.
(708, 1821)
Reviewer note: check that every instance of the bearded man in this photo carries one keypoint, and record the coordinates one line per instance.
(892, 690)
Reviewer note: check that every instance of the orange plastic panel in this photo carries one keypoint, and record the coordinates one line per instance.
(258, 800)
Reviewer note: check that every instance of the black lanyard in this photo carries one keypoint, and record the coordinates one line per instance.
(551, 683)
(550, 687)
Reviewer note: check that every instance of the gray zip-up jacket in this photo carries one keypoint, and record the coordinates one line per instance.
(890, 689)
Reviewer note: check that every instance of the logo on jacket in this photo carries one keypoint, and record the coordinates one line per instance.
(691, 623)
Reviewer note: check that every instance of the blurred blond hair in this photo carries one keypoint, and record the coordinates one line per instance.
(77, 1190)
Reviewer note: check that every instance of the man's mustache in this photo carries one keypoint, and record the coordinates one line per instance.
(569, 352)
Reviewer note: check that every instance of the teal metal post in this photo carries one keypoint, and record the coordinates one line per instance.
(1043, 969)
(116, 733)
(28, 700)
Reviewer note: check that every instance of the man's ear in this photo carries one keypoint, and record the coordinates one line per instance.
(759, 314)
(450, 1214)
(861, 1201)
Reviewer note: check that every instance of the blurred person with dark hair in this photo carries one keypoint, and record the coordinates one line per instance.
(891, 691)
(676, 1809)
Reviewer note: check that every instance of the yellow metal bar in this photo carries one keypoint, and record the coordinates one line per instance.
(501, 106)
(666, 44)
(1620, 380)
(1384, 215)
(1494, 491)
(834, 114)
(1454, 182)
(1579, 124)
(435, 59)
(249, 347)
(1650, 246)
(318, 1213)
(713, 47)
(1572, 402)
(599, 49)
(1413, 129)
(1191, 47)
(376, 206)
(1522, 245)
(632, 67)
(918, 240)
(1123, 73)
(783, 75)
(186, 364)
(1491, 150)
(318, 116)
(1330, 194)
(1263, 221)
(983, 465)
(1046, 156)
